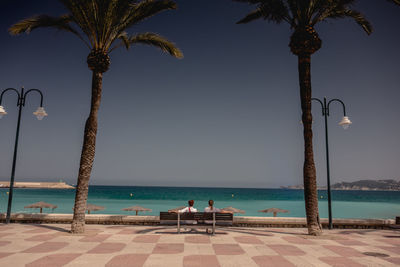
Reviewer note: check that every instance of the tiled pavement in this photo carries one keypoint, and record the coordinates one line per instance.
(103, 245)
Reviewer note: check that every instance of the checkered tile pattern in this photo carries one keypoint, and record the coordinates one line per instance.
(102, 245)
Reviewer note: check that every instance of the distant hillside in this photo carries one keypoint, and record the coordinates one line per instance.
(389, 185)
(368, 185)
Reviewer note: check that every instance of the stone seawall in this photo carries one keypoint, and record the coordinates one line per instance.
(285, 222)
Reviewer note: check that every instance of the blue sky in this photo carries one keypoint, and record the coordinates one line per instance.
(228, 114)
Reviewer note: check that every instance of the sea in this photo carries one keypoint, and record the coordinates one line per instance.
(345, 203)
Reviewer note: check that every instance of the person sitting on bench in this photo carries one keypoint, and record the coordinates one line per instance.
(211, 208)
(189, 209)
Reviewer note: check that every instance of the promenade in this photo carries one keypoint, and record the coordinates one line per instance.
(125, 245)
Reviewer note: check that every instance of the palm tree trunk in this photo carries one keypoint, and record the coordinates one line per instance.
(309, 173)
(87, 156)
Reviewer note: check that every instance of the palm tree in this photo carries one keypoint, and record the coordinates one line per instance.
(302, 16)
(101, 25)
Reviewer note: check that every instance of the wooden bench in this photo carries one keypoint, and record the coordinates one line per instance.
(196, 220)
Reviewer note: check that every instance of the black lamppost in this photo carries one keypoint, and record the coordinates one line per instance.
(40, 113)
(345, 122)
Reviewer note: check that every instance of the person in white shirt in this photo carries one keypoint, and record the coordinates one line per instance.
(189, 209)
(211, 207)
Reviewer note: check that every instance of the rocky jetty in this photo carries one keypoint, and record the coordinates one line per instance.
(58, 185)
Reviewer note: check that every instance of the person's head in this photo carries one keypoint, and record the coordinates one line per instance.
(191, 203)
(211, 203)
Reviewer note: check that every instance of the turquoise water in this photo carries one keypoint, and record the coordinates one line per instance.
(345, 204)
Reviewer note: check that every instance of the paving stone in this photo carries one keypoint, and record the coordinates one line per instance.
(146, 239)
(43, 237)
(95, 238)
(4, 243)
(390, 241)
(54, 260)
(351, 242)
(200, 261)
(197, 239)
(298, 240)
(5, 254)
(340, 262)
(46, 247)
(163, 260)
(287, 250)
(100, 245)
(248, 240)
(394, 260)
(228, 249)
(395, 250)
(272, 261)
(168, 248)
(104, 248)
(345, 251)
(129, 260)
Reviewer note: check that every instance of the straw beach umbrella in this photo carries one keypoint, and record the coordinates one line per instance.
(234, 210)
(136, 209)
(40, 205)
(274, 211)
(91, 207)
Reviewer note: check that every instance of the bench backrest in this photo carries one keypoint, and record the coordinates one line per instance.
(200, 217)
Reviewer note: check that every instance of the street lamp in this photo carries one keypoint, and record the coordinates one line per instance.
(345, 123)
(40, 113)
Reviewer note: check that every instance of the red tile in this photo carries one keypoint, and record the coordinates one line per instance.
(5, 227)
(37, 231)
(248, 240)
(272, 261)
(4, 243)
(351, 242)
(340, 262)
(228, 249)
(168, 248)
(104, 248)
(46, 247)
(287, 250)
(146, 239)
(390, 241)
(5, 254)
(197, 239)
(44, 237)
(5, 234)
(127, 232)
(345, 251)
(95, 238)
(391, 249)
(131, 260)
(54, 260)
(200, 261)
(394, 260)
(298, 240)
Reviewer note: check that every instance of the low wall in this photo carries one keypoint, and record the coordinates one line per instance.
(237, 221)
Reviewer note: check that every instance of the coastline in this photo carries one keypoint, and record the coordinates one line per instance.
(38, 185)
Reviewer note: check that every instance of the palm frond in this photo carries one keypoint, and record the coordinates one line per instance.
(255, 14)
(396, 2)
(272, 10)
(158, 41)
(45, 21)
(41, 21)
(249, 1)
(146, 9)
(357, 16)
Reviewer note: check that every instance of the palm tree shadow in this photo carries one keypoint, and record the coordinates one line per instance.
(51, 227)
(262, 232)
